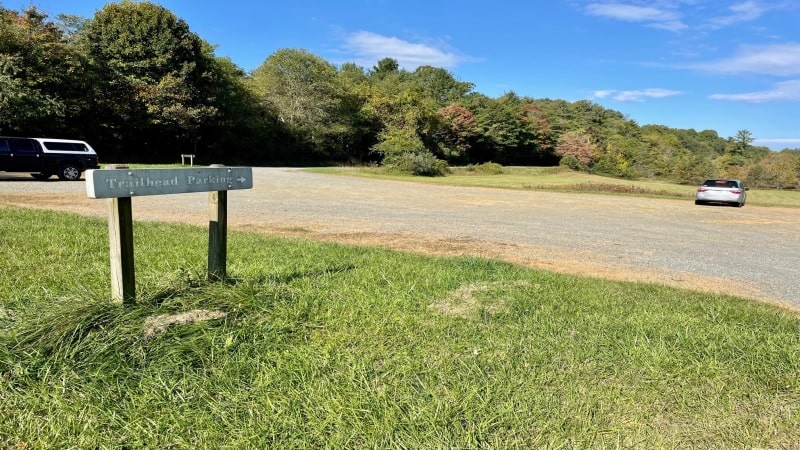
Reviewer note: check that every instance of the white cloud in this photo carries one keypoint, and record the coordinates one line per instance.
(740, 12)
(637, 95)
(676, 15)
(746, 11)
(783, 91)
(779, 60)
(369, 48)
(603, 93)
(653, 17)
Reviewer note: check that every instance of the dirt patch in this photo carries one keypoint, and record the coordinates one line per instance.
(551, 259)
(75, 203)
(156, 325)
(465, 301)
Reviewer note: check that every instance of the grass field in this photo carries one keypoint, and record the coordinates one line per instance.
(313, 345)
(565, 180)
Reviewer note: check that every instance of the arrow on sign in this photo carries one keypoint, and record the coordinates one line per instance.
(241, 179)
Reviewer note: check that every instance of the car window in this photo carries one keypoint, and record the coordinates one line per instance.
(60, 146)
(66, 146)
(720, 183)
(21, 145)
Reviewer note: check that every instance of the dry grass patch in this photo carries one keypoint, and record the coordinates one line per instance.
(465, 301)
(155, 325)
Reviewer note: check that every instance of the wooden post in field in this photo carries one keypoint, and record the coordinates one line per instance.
(120, 235)
(217, 234)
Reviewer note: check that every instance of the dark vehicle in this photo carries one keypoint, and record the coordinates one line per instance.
(730, 192)
(44, 157)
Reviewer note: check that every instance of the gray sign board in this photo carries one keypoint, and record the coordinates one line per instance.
(114, 183)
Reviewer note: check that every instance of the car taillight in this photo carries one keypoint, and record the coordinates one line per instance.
(701, 190)
(737, 192)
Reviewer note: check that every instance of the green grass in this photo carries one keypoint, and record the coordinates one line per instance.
(314, 345)
(564, 180)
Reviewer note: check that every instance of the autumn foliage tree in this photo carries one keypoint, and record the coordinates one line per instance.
(576, 149)
(456, 131)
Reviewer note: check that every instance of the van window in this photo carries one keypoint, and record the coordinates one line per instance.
(3, 147)
(16, 145)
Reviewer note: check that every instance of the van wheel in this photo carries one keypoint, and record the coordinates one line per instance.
(69, 172)
(41, 176)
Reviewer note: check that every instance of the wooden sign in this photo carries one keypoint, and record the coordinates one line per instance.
(116, 183)
(120, 183)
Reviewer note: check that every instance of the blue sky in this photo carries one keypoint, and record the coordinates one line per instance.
(699, 64)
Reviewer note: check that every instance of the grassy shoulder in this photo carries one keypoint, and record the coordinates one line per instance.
(326, 346)
(564, 180)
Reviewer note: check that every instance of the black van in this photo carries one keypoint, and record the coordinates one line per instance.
(44, 157)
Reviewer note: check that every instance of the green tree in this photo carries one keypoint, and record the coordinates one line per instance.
(144, 49)
(440, 85)
(356, 112)
(743, 140)
(395, 141)
(503, 132)
(776, 171)
(43, 80)
(242, 124)
(301, 86)
(308, 96)
(662, 148)
(618, 155)
(385, 67)
(737, 150)
(399, 104)
(403, 151)
(690, 168)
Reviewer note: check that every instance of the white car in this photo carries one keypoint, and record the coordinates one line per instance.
(721, 190)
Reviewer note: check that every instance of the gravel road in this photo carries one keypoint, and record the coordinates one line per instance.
(752, 251)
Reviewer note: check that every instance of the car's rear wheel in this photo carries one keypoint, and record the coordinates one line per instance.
(41, 176)
(699, 202)
(69, 172)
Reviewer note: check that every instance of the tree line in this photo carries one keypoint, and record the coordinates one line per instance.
(138, 84)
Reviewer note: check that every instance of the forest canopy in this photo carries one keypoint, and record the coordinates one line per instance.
(137, 83)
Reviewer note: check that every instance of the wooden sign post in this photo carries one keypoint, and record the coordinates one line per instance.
(217, 234)
(120, 183)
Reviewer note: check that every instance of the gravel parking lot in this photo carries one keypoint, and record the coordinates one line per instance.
(752, 251)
